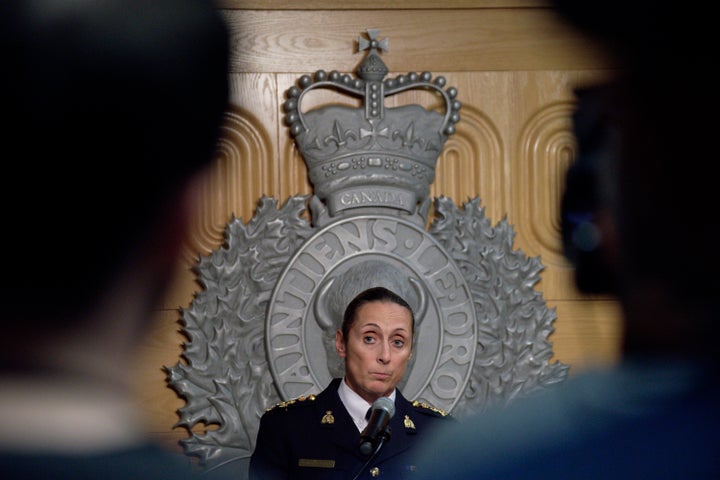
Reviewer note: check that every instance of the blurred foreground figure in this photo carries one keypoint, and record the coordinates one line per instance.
(638, 222)
(111, 110)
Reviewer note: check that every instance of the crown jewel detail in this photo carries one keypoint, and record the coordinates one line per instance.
(372, 156)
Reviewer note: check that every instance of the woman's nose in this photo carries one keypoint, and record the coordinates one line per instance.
(384, 353)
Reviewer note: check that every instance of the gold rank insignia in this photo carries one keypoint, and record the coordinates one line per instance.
(293, 401)
(328, 418)
(424, 405)
(409, 424)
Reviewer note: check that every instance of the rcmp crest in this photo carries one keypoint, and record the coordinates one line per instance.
(262, 329)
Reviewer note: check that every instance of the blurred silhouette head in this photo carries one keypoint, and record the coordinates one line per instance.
(110, 107)
(647, 153)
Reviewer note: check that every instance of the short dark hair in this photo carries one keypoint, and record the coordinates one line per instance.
(112, 106)
(374, 294)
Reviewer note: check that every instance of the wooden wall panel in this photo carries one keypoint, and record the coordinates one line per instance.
(438, 40)
(159, 404)
(587, 333)
(515, 67)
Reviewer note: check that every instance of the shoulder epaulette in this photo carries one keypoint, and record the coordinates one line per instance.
(429, 409)
(301, 400)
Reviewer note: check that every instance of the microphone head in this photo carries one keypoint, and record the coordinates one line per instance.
(377, 429)
(384, 403)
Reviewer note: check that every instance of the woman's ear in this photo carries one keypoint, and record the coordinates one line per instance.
(340, 344)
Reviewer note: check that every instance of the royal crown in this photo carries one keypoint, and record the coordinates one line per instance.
(373, 156)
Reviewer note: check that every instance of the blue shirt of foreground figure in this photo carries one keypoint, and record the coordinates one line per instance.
(648, 419)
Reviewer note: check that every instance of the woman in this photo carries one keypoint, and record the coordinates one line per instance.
(319, 436)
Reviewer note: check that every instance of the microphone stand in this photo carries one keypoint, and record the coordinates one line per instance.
(382, 437)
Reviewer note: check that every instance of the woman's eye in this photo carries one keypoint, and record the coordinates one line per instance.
(368, 339)
(398, 343)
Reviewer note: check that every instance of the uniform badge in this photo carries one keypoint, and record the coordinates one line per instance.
(316, 463)
(328, 418)
(409, 424)
(282, 280)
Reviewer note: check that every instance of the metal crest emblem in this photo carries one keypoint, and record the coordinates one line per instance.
(262, 329)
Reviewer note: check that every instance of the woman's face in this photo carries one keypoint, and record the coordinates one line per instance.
(377, 350)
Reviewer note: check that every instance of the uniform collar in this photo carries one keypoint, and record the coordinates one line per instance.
(355, 405)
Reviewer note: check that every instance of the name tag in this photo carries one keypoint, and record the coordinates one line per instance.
(315, 462)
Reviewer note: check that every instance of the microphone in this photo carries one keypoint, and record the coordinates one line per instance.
(381, 412)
